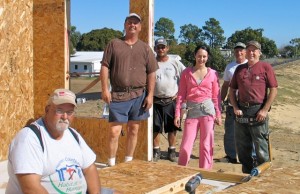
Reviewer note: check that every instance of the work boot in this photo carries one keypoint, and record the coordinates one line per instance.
(228, 159)
(156, 154)
(172, 155)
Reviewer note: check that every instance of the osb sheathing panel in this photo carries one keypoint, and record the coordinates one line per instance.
(95, 132)
(150, 177)
(141, 7)
(49, 50)
(16, 69)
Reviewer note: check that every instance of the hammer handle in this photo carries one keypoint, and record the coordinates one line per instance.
(261, 168)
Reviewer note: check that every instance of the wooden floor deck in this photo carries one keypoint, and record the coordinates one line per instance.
(150, 177)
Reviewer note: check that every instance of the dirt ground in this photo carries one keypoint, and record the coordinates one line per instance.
(284, 121)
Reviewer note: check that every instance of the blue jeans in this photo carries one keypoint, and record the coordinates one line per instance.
(246, 136)
(229, 140)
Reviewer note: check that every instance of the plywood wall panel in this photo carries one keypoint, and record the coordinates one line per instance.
(33, 38)
(49, 50)
(16, 69)
(141, 7)
(95, 132)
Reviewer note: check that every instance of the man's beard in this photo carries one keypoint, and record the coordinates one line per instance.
(62, 125)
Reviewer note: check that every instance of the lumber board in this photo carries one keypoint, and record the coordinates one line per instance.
(218, 175)
(174, 187)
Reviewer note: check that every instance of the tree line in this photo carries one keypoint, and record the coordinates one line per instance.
(211, 35)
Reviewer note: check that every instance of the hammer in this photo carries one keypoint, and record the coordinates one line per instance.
(257, 170)
(193, 183)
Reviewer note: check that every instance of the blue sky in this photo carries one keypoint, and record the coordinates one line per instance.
(280, 19)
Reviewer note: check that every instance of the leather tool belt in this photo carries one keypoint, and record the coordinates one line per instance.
(127, 88)
(249, 121)
(163, 101)
(248, 104)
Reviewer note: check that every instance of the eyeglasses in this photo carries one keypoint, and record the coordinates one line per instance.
(61, 112)
(160, 47)
(130, 22)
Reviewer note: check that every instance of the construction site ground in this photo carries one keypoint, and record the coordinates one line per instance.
(284, 175)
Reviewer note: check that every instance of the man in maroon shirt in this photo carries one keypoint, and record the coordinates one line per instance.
(257, 87)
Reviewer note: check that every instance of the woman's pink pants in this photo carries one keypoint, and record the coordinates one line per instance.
(205, 125)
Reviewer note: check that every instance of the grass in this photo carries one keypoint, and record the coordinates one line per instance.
(287, 76)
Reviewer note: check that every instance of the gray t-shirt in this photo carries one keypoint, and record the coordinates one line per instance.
(167, 78)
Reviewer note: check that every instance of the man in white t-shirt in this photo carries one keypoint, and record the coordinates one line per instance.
(229, 140)
(51, 157)
(165, 93)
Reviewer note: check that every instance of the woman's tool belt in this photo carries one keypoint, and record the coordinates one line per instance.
(249, 114)
(199, 109)
(163, 101)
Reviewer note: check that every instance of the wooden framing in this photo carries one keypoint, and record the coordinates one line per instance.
(33, 42)
(36, 60)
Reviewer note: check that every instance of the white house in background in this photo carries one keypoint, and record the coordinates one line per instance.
(86, 63)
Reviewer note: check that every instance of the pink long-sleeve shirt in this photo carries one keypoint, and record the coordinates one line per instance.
(190, 90)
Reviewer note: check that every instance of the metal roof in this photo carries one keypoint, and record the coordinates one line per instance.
(87, 56)
(92, 56)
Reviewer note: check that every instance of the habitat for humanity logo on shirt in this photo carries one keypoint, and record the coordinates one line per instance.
(67, 178)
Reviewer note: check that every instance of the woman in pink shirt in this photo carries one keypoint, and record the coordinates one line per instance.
(199, 87)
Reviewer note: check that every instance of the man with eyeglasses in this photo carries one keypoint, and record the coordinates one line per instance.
(50, 157)
(129, 66)
(165, 93)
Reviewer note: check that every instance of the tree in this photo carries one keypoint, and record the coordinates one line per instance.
(296, 44)
(74, 39)
(213, 33)
(244, 36)
(269, 48)
(216, 60)
(191, 34)
(96, 40)
(189, 56)
(164, 27)
(180, 50)
(287, 51)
